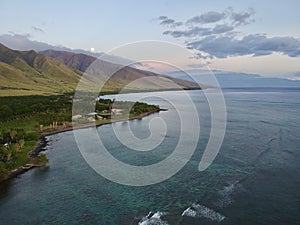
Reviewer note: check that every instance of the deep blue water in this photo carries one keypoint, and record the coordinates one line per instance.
(255, 178)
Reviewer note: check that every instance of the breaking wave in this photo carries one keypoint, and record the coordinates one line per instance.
(201, 211)
(226, 195)
(153, 219)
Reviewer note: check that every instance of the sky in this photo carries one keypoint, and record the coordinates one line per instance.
(243, 36)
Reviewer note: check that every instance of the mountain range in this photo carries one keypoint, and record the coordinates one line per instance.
(55, 72)
(227, 79)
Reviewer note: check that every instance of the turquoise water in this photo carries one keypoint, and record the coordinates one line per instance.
(254, 179)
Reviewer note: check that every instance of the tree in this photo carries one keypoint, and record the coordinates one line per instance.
(5, 112)
(41, 160)
(12, 134)
(17, 148)
(41, 127)
(21, 143)
(4, 172)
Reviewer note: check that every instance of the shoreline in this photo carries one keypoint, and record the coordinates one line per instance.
(69, 128)
(42, 142)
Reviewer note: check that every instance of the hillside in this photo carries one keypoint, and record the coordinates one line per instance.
(27, 73)
(56, 72)
(229, 79)
(118, 75)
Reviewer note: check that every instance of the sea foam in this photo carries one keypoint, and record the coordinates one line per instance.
(153, 219)
(198, 211)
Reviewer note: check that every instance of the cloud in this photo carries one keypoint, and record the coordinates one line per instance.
(209, 17)
(164, 20)
(195, 31)
(162, 17)
(200, 31)
(23, 42)
(198, 65)
(167, 21)
(37, 29)
(216, 34)
(242, 17)
(219, 29)
(220, 22)
(257, 45)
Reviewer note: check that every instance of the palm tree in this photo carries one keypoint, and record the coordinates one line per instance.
(21, 143)
(110, 104)
(12, 134)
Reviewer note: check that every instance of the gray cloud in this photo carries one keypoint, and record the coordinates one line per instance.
(37, 29)
(162, 17)
(219, 29)
(167, 21)
(195, 31)
(257, 45)
(209, 17)
(200, 55)
(200, 31)
(216, 35)
(220, 22)
(164, 20)
(242, 17)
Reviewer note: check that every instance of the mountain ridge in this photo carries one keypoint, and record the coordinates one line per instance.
(229, 79)
(116, 73)
(33, 73)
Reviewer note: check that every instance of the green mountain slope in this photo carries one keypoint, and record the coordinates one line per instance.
(118, 75)
(26, 73)
(56, 72)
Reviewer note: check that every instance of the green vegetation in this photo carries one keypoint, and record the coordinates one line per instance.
(29, 73)
(56, 72)
(24, 119)
(141, 107)
(40, 160)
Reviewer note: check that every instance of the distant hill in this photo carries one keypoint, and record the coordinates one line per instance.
(229, 79)
(56, 72)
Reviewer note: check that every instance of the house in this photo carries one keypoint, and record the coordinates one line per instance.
(117, 112)
(99, 117)
(76, 117)
(91, 119)
(92, 114)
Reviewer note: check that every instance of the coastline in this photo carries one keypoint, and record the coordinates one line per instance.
(39, 147)
(42, 142)
(69, 128)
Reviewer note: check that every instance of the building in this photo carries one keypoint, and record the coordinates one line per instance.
(76, 117)
(117, 112)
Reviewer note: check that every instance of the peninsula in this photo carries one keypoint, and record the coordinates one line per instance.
(24, 126)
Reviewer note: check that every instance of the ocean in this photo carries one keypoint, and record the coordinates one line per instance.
(255, 178)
